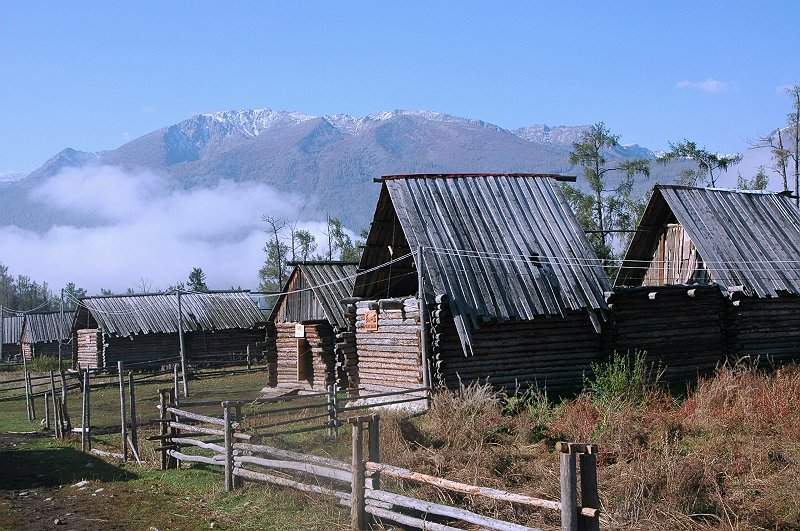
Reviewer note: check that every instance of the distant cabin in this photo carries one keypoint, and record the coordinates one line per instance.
(711, 274)
(141, 329)
(44, 333)
(304, 324)
(11, 328)
(513, 292)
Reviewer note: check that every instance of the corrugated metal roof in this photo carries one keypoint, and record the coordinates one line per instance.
(748, 240)
(330, 282)
(48, 326)
(500, 247)
(12, 329)
(143, 314)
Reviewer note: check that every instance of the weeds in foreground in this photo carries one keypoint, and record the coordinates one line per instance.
(724, 455)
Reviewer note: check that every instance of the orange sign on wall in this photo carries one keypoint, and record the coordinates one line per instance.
(371, 320)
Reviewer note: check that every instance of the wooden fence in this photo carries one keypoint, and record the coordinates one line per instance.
(222, 441)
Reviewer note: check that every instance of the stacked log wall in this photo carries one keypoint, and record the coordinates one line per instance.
(549, 352)
(686, 334)
(140, 348)
(38, 350)
(88, 347)
(766, 327)
(389, 357)
(346, 351)
(320, 339)
(271, 354)
(223, 344)
(11, 350)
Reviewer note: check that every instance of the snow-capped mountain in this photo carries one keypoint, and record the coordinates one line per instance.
(330, 160)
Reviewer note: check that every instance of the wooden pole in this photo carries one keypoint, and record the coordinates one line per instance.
(226, 415)
(374, 454)
(331, 410)
(589, 495)
(134, 436)
(569, 493)
(46, 410)
(123, 414)
(64, 412)
(172, 396)
(358, 516)
(27, 391)
(162, 417)
(175, 382)
(86, 444)
(248, 358)
(60, 324)
(423, 324)
(56, 417)
(183, 351)
(2, 329)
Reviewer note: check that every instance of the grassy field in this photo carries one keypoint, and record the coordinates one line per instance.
(143, 497)
(721, 454)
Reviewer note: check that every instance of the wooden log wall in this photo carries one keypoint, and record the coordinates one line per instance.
(223, 344)
(319, 340)
(766, 327)
(549, 352)
(139, 348)
(88, 348)
(38, 350)
(389, 357)
(271, 353)
(346, 351)
(11, 350)
(686, 334)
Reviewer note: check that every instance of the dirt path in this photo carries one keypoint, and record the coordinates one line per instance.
(52, 488)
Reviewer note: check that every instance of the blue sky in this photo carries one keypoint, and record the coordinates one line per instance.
(92, 75)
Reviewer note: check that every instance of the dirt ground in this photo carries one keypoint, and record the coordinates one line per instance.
(53, 488)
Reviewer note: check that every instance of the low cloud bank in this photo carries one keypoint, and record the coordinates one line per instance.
(140, 227)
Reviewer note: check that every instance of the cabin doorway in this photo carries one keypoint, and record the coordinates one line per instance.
(305, 372)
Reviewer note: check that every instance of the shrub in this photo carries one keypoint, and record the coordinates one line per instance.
(624, 377)
(43, 364)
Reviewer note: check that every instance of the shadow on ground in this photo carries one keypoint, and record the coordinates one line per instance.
(35, 463)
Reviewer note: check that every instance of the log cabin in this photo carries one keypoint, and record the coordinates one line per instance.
(711, 274)
(44, 333)
(513, 293)
(140, 329)
(12, 335)
(304, 324)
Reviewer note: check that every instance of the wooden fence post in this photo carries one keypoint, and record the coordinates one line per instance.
(134, 426)
(123, 414)
(248, 358)
(226, 415)
(86, 438)
(56, 416)
(175, 382)
(331, 409)
(29, 390)
(358, 515)
(569, 493)
(46, 410)
(374, 454)
(25, 385)
(64, 412)
(164, 431)
(589, 496)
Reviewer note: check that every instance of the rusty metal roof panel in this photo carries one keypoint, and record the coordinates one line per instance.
(47, 327)
(750, 241)
(12, 329)
(158, 313)
(500, 247)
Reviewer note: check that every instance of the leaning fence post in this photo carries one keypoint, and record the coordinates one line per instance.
(123, 415)
(226, 415)
(56, 416)
(29, 390)
(358, 515)
(589, 496)
(134, 427)
(64, 412)
(374, 454)
(46, 410)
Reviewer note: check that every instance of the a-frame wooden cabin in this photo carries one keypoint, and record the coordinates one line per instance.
(711, 274)
(513, 292)
(304, 324)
